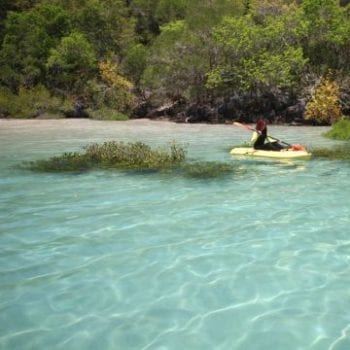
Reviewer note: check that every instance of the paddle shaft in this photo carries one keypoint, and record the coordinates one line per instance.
(247, 127)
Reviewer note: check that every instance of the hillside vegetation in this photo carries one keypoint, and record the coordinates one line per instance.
(193, 60)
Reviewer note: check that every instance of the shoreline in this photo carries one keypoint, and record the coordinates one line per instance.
(150, 120)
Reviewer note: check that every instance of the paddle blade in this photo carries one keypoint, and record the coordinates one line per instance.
(243, 126)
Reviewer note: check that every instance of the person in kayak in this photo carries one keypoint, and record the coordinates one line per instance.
(260, 139)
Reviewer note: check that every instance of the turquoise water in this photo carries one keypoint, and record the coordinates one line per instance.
(108, 260)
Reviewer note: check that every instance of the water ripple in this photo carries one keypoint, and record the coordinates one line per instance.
(115, 261)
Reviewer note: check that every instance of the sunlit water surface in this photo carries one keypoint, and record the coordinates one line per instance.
(111, 260)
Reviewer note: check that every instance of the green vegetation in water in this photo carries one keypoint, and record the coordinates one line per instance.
(112, 154)
(209, 170)
(136, 157)
(336, 153)
(340, 130)
(67, 162)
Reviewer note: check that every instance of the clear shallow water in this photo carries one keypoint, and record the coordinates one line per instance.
(118, 261)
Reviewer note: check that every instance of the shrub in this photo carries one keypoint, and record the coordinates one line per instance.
(29, 103)
(324, 106)
(106, 114)
(6, 100)
(117, 91)
(340, 130)
(110, 91)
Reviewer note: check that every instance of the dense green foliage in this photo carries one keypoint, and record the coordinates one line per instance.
(340, 130)
(30, 103)
(115, 54)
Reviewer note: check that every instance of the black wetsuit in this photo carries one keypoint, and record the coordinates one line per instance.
(269, 146)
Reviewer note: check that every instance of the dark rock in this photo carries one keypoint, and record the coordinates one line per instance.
(169, 110)
(142, 110)
(295, 112)
(78, 111)
(345, 101)
(277, 108)
(201, 113)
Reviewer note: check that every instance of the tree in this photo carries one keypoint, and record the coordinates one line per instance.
(326, 29)
(185, 51)
(109, 91)
(71, 64)
(118, 90)
(255, 58)
(5, 6)
(107, 25)
(171, 10)
(14, 5)
(147, 25)
(260, 9)
(28, 38)
(177, 65)
(135, 62)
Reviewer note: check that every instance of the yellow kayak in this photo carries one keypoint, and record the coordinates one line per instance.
(282, 154)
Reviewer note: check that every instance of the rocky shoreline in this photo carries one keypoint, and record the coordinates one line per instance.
(245, 109)
(232, 109)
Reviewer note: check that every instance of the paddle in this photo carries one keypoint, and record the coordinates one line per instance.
(247, 127)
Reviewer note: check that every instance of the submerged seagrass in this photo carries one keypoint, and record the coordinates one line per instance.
(136, 157)
(207, 170)
(336, 153)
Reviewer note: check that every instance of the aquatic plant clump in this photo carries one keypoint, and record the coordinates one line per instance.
(113, 155)
(135, 155)
(340, 130)
(207, 170)
(67, 162)
(336, 153)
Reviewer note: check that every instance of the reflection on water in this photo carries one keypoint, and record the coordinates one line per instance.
(111, 260)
